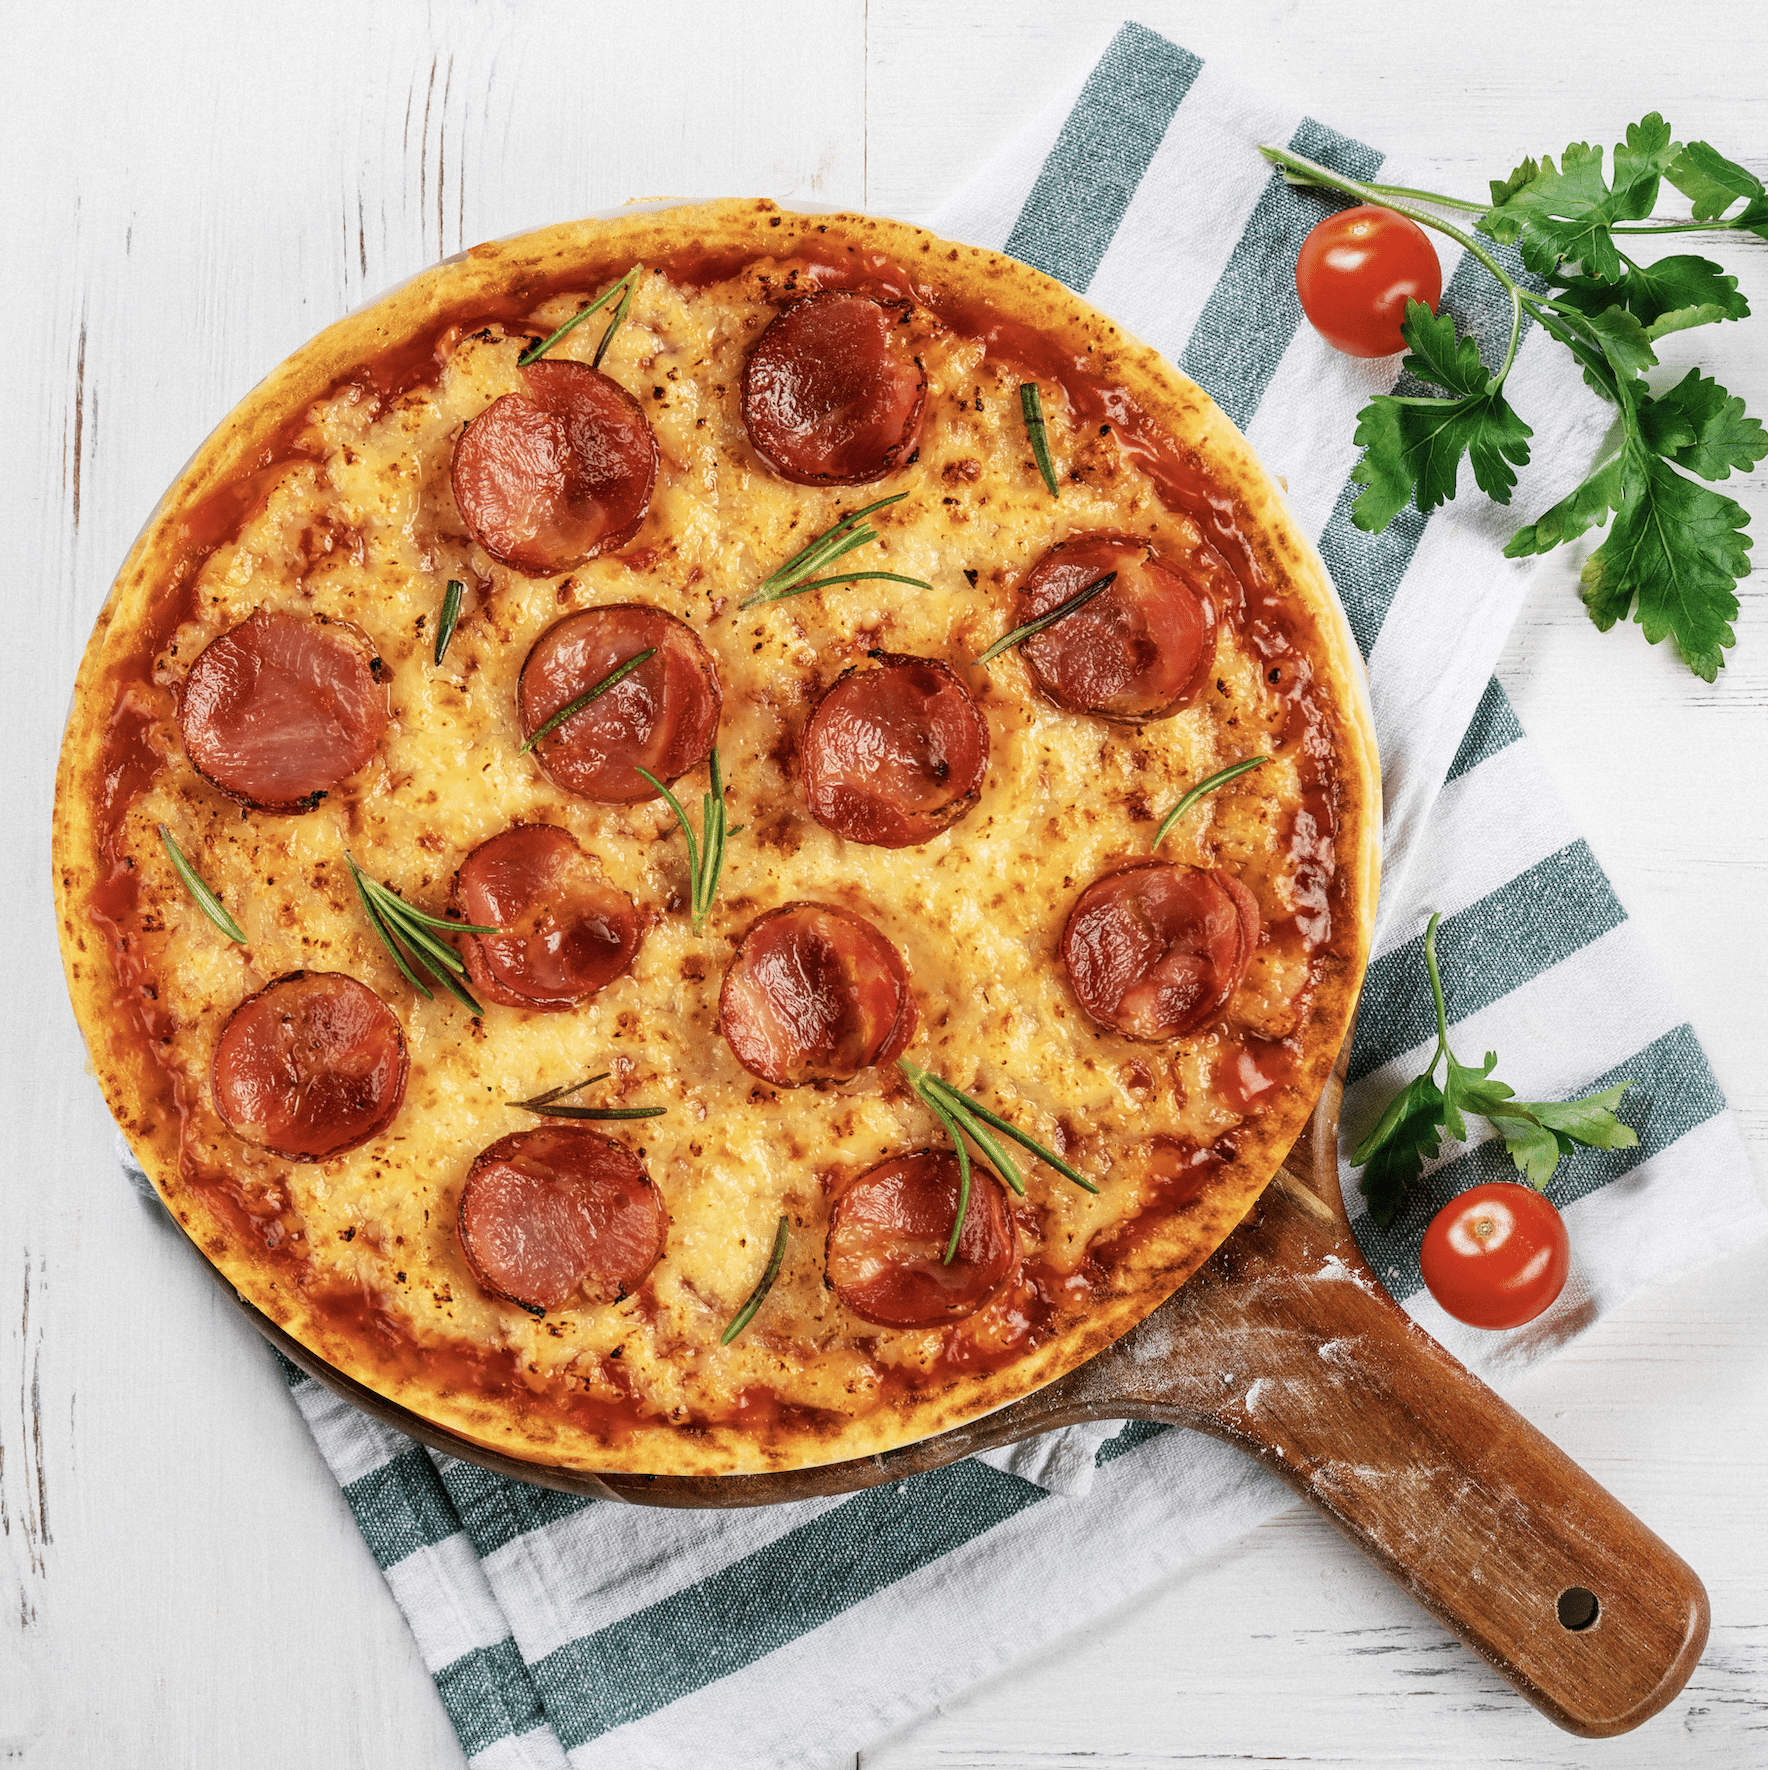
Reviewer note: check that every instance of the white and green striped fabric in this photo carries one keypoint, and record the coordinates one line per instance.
(570, 1632)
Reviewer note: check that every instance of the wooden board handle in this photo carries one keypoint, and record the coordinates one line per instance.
(1332, 1386)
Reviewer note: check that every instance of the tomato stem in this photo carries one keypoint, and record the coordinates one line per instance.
(1370, 193)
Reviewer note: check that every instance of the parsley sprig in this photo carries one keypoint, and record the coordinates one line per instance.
(1536, 1133)
(798, 574)
(1675, 549)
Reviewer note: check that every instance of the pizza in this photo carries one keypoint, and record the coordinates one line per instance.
(678, 719)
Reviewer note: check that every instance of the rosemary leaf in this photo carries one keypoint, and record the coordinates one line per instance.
(205, 899)
(404, 930)
(1020, 1137)
(1031, 404)
(450, 614)
(957, 1140)
(705, 856)
(572, 708)
(601, 350)
(972, 1115)
(793, 577)
(385, 936)
(997, 1158)
(591, 1112)
(535, 352)
(539, 1100)
(835, 584)
(1060, 612)
(1230, 773)
(758, 1296)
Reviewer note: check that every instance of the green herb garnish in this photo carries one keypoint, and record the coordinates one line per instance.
(964, 1113)
(1676, 549)
(402, 925)
(794, 578)
(1231, 773)
(445, 622)
(546, 1105)
(758, 1296)
(1060, 612)
(572, 708)
(623, 289)
(1031, 403)
(705, 857)
(205, 899)
(1536, 1133)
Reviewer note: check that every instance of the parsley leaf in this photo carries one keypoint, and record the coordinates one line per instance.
(1713, 183)
(1698, 425)
(1563, 214)
(1536, 1133)
(1415, 446)
(1673, 558)
(1676, 550)
(1668, 296)
(1393, 1155)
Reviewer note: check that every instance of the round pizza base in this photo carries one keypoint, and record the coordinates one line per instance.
(571, 256)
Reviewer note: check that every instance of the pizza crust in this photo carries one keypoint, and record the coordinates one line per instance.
(818, 1423)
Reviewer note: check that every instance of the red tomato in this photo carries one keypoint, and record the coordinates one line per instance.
(1356, 272)
(1496, 1255)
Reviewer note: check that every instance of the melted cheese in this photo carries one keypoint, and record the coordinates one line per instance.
(367, 531)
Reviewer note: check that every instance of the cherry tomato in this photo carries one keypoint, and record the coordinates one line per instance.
(1356, 272)
(1496, 1255)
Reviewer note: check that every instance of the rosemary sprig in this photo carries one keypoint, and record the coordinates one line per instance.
(1060, 612)
(705, 857)
(563, 1093)
(572, 708)
(975, 1120)
(937, 1107)
(758, 1296)
(623, 289)
(795, 576)
(445, 622)
(601, 350)
(1031, 403)
(402, 925)
(205, 899)
(546, 1105)
(1230, 773)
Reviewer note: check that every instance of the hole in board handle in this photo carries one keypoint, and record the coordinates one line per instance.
(1578, 1608)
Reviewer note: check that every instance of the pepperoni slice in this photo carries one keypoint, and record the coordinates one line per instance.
(663, 716)
(894, 755)
(815, 994)
(889, 1232)
(279, 709)
(569, 932)
(829, 397)
(310, 1066)
(1143, 648)
(1155, 950)
(550, 1214)
(552, 477)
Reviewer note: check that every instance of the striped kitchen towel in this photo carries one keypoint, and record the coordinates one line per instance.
(563, 1631)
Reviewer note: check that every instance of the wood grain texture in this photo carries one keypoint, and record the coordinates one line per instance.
(192, 190)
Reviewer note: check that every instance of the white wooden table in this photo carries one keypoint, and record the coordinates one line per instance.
(191, 190)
